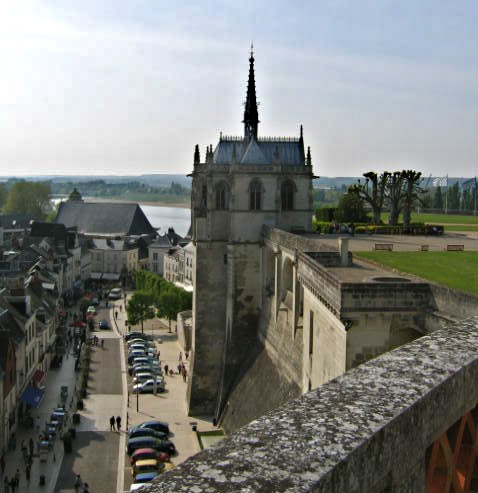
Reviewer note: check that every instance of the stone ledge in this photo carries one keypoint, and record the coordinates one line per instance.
(367, 430)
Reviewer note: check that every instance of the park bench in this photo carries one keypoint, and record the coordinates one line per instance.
(383, 246)
(455, 248)
(424, 248)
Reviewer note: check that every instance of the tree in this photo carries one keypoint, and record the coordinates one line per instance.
(351, 209)
(376, 197)
(438, 199)
(169, 305)
(30, 198)
(412, 193)
(454, 196)
(3, 195)
(395, 194)
(140, 308)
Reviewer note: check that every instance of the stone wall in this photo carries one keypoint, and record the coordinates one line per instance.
(184, 327)
(367, 430)
(453, 302)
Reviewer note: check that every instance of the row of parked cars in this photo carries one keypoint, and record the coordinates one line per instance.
(143, 364)
(148, 446)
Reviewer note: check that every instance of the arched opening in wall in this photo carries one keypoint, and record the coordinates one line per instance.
(400, 335)
(255, 195)
(287, 283)
(270, 273)
(287, 195)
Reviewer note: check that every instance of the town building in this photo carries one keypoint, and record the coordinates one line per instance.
(160, 247)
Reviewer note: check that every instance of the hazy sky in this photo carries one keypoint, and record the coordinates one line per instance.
(130, 86)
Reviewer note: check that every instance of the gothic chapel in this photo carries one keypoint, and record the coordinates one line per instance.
(244, 183)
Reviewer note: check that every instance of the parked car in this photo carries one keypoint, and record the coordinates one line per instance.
(135, 355)
(148, 453)
(145, 466)
(91, 309)
(150, 442)
(137, 345)
(155, 425)
(156, 370)
(146, 477)
(144, 342)
(139, 335)
(147, 387)
(103, 324)
(147, 432)
(115, 294)
(139, 486)
(141, 377)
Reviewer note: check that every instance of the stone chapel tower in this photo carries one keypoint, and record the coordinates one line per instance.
(242, 184)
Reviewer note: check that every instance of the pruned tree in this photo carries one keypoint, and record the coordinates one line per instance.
(376, 196)
(139, 308)
(412, 193)
(395, 194)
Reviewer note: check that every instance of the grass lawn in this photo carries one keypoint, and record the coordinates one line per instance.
(437, 218)
(458, 270)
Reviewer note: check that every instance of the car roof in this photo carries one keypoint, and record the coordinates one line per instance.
(146, 450)
(145, 476)
(146, 462)
(145, 424)
(144, 438)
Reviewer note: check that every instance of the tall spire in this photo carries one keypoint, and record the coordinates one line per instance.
(251, 116)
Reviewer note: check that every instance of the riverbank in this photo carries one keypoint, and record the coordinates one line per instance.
(181, 205)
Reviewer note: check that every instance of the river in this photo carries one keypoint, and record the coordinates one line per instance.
(165, 217)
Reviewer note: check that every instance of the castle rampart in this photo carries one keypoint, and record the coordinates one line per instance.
(368, 430)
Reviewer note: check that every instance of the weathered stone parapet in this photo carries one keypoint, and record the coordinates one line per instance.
(365, 431)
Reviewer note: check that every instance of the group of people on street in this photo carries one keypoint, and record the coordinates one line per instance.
(115, 423)
(12, 484)
(80, 486)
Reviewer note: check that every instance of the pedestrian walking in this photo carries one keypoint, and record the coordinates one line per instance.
(17, 478)
(86, 488)
(112, 423)
(180, 367)
(78, 483)
(118, 423)
(6, 484)
(186, 354)
(184, 372)
(166, 368)
(180, 356)
(27, 472)
(13, 485)
(116, 314)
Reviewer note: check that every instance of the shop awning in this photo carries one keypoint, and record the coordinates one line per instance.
(95, 275)
(38, 376)
(109, 276)
(32, 396)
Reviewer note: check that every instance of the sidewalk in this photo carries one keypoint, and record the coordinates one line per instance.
(54, 380)
(169, 406)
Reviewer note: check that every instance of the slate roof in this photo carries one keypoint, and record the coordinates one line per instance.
(260, 151)
(104, 218)
(15, 221)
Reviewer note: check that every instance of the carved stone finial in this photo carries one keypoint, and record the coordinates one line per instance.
(197, 157)
(309, 157)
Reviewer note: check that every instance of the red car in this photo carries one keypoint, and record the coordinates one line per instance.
(148, 453)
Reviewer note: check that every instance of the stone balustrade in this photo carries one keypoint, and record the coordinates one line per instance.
(366, 431)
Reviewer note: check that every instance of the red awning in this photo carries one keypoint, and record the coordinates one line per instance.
(38, 376)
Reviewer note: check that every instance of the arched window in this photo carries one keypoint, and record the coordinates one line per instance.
(255, 196)
(204, 196)
(287, 195)
(221, 197)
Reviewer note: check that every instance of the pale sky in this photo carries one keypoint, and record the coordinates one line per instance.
(130, 86)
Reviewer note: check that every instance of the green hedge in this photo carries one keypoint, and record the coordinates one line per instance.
(363, 228)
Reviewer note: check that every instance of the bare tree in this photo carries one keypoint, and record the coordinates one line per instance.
(375, 198)
(412, 193)
(395, 194)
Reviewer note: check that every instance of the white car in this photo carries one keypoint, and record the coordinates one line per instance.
(115, 294)
(148, 387)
